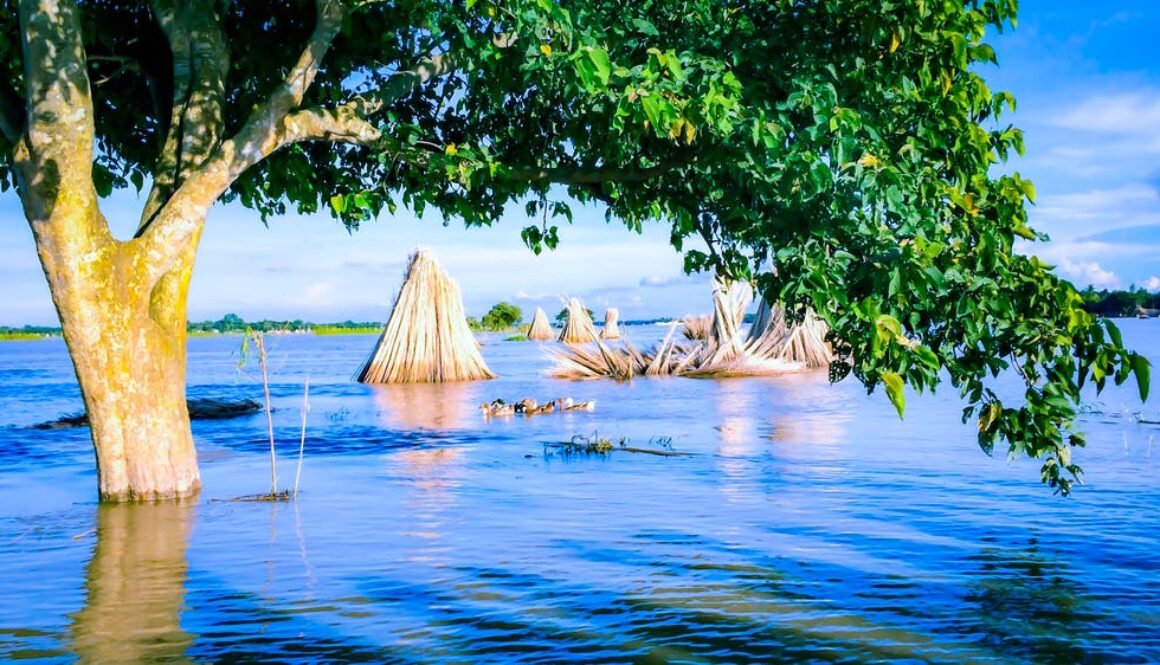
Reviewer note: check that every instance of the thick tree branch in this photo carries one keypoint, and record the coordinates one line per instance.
(265, 131)
(12, 113)
(200, 65)
(54, 161)
(401, 84)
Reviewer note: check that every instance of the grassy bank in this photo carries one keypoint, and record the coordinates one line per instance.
(337, 330)
(25, 336)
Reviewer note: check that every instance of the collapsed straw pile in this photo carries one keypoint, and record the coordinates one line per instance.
(696, 327)
(611, 325)
(426, 339)
(540, 330)
(578, 328)
(770, 347)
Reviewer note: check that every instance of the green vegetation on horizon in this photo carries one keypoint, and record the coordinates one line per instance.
(1120, 303)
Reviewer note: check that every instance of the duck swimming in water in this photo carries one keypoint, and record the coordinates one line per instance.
(530, 407)
(497, 408)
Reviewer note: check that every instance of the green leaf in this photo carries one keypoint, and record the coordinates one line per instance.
(1143, 371)
(645, 27)
(927, 357)
(894, 387)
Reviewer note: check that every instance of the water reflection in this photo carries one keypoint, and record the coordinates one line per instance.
(811, 413)
(429, 406)
(1029, 602)
(135, 586)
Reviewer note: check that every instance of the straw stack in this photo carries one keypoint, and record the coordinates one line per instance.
(730, 300)
(426, 339)
(611, 325)
(578, 329)
(540, 330)
(696, 327)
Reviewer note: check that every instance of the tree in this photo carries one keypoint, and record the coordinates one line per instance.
(502, 316)
(845, 143)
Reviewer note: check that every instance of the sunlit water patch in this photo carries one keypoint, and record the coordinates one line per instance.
(807, 523)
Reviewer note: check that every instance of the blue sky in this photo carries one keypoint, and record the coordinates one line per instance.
(1087, 78)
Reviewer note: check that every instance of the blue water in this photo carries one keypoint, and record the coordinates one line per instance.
(809, 524)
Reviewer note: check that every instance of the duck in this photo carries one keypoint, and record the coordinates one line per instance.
(568, 404)
(525, 405)
(549, 407)
(497, 408)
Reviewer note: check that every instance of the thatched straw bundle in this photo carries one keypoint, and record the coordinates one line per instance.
(540, 329)
(578, 328)
(771, 347)
(426, 339)
(805, 343)
(611, 324)
(697, 327)
(730, 300)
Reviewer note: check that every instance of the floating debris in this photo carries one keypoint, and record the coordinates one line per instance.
(598, 444)
(200, 408)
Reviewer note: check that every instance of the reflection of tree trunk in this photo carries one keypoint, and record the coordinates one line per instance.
(135, 585)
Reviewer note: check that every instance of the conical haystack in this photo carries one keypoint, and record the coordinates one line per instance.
(426, 339)
(578, 328)
(611, 324)
(540, 330)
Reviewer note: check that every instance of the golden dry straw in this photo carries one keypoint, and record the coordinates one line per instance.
(770, 347)
(426, 339)
(697, 327)
(540, 330)
(611, 324)
(578, 328)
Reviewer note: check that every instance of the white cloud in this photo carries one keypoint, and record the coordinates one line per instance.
(1152, 283)
(1087, 213)
(1137, 112)
(316, 294)
(1083, 273)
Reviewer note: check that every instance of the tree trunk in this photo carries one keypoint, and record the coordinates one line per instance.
(127, 338)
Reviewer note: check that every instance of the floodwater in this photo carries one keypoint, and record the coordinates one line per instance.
(809, 524)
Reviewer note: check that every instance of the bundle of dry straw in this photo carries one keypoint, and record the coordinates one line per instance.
(611, 324)
(426, 339)
(696, 327)
(578, 328)
(540, 329)
(771, 346)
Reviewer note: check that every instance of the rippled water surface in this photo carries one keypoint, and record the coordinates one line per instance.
(807, 524)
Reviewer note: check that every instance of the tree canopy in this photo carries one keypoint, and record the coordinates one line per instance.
(841, 153)
(501, 316)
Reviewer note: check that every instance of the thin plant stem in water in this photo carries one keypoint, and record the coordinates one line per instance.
(260, 344)
(302, 441)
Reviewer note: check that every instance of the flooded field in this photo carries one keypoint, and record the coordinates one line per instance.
(808, 524)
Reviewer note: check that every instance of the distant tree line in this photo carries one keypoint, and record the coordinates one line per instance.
(1120, 303)
(232, 323)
